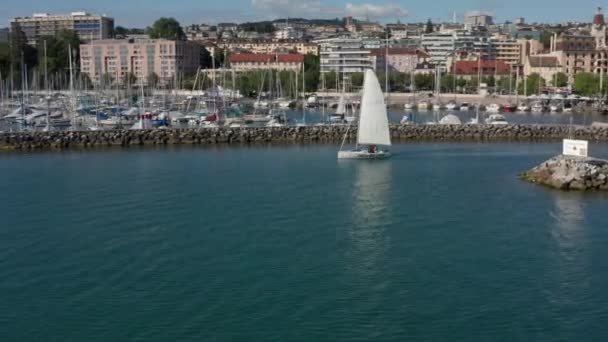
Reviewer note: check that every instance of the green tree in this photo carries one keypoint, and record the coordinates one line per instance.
(5, 59)
(356, 79)
(129, 79)
(545, 38)
(532, 83)
(560, 80)
(312, 67)
(447, 83)
(153, 80)
(166, 28)
(205, 59)
(587, 84)
(505, 84)
(424, 81)
(120, 31)
(107, 80)
(429, 28)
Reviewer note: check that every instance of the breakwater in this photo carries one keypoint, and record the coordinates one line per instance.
(312, 134)
(570, 173)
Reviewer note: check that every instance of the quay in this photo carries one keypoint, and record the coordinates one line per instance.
(61, 140)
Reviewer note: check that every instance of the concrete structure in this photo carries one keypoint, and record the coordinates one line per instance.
(508, 51)
(165, 58)
(4, 35)
(399, 59)
(244, 62)
(544, 65)
(269, 46)
(477, 19)
(288, 33)
(473, 69)
(344, 55)
(88, 26)
(576, 53)
(442, 45)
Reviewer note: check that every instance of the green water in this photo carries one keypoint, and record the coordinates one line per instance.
(440, 243)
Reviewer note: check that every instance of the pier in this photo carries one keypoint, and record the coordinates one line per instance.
(61, 140)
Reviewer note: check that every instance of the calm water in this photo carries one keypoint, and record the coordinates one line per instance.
(442, 242)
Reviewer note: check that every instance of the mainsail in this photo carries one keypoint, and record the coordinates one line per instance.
(373, 121)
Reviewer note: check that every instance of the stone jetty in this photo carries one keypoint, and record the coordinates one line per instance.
(282, 135)
(571, 173)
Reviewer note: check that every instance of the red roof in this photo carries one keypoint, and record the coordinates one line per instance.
(266, 58)
(488, 66)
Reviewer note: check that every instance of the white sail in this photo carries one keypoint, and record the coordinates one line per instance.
(373, 121)
(341, 106)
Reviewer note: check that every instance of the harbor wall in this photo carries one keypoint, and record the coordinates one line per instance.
(312, 134)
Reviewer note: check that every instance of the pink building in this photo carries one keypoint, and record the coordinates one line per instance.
(399, 59)
(165, 58)
(244, 62)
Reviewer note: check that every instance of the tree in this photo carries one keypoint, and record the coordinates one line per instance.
(424, 81)
(205, 59)
(5, 59)
(166, 28)
(312, 68)
(153, 80)
(356, 79)
(107, 80)
(532, 83)
(120, 31)
(429, 27)
(560, 80)
(504, 84)
(545, 38)
(447, 83)
(129, 79)
(587, 84)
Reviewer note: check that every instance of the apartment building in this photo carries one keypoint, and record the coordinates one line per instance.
(3, 35)
(88, 26)
(508, 51)
(259, 46)
(344, 55)
(398, 59)
(165, 58)
(245, 62)
(442, 45)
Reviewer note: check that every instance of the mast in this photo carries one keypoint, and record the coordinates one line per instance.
(46, 88)
(71, 87)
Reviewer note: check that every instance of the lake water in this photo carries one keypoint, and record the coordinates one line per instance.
(441, 242)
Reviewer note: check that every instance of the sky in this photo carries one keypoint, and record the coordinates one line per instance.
(142, 13)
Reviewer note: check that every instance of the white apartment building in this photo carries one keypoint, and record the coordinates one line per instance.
(88, 26)
(443, 45)
(344, 55)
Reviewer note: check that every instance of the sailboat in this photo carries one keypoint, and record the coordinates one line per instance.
(373, 123)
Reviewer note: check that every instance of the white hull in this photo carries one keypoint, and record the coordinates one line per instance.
(363, 155)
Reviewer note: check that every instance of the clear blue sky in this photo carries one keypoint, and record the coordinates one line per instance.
(140, 13)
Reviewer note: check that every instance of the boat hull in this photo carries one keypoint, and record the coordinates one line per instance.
(363, 155)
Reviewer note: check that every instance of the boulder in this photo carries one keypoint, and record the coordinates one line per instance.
(570, 173)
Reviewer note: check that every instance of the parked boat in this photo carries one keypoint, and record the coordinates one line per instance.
(493, 108)
(523, 108)
(497, 119)
(464, 106)
(451, 105)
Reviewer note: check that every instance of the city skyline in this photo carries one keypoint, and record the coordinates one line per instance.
(192, 11)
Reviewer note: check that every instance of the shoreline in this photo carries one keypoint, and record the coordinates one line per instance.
(63, 140)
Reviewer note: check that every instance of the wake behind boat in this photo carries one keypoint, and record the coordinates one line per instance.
(373, 124)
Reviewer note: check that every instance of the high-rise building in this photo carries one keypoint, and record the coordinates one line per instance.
(345, 56)
(442, 45)
(117, 58)
(3, 35)
(88, 26)
(477, 19)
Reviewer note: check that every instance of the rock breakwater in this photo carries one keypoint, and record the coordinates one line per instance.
(571, 173)
(311, 134)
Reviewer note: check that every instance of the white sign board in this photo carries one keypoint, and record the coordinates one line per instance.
(577, 148)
